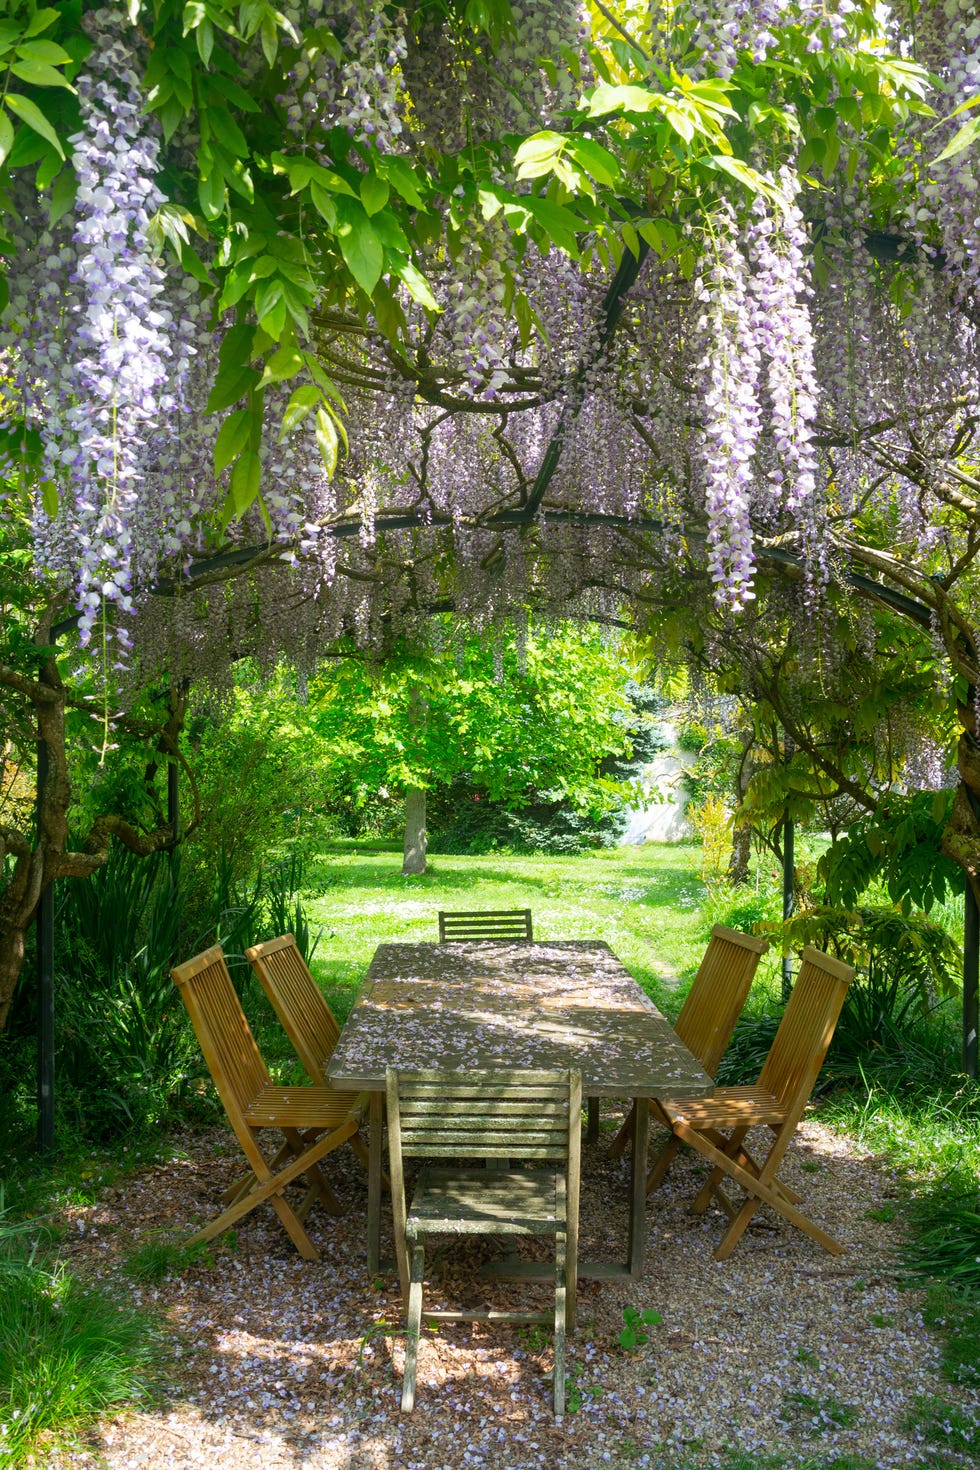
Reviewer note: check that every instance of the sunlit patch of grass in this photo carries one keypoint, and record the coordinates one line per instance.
(645, 902)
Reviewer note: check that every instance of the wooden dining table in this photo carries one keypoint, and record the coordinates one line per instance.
(562, 1004)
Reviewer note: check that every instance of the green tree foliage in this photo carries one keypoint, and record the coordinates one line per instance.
(518, 721)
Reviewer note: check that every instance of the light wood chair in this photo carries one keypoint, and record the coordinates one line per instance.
(716, 1126)
(306, 1018)
(487, 924)
(526, 1117)
(312, 1120)
(707, 1019)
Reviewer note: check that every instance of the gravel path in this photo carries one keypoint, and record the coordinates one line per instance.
(279, 1362)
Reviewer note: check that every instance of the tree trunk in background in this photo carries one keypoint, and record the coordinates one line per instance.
(738, 863)
(415, 838)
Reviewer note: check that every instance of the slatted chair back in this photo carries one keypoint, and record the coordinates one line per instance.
(226, 1039)
(718, 993)
(510, 925)
(296, 999)
(717, 1125)
(517, 1116)
(806, 1029)
(312, 1121)
(706, 1021)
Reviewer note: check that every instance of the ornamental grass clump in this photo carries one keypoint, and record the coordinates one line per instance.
(945, 1243)
(67, 1351)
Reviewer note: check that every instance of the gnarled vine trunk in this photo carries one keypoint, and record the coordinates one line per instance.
(42, 856)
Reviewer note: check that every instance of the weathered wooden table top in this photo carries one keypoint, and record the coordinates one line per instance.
(571, 1003)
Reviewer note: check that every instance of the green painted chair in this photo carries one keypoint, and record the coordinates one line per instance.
(528, 1118)
(486, 925)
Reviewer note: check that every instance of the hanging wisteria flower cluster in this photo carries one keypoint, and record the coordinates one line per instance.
(719, 31)
(522, 434)
(730, 370)
(107, 414)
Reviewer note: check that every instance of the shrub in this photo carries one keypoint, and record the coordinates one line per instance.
(712, 824)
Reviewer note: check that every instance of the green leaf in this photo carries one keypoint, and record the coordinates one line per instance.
(537, 154)
(743, 172)
(374, 193)
(31, 114)
(269, 35)
(40, 21)
(403, 179)
(233, 438)
(304, 400)
(44, 51)
(227, 131)
(6, 135)
(606, 98)
(39, 74)
(62, 195)
(231, 384)
(648, 231)
(361, 248)
(211, 195)
(204, 35)
(49, 498)
(559, 223)
(596, 160)
(417, 286)
(284, 363)
(323, 204)
(966, 135)
(326, 437)
(243, 487)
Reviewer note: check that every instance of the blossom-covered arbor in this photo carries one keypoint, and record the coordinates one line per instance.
(324, 317)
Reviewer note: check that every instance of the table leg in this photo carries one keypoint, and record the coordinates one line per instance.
(592, 1131)
(636, 1238)
(375, 1143)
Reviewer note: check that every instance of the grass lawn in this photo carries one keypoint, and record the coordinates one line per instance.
(648, 903)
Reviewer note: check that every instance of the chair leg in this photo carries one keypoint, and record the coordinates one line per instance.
(592, 1127)
(414, 1327)
(730, 1147)
(561, 1309)
(662, 1163)
(620, 1143)
(319, 1189)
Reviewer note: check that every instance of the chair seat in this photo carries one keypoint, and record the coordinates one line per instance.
(482, 1201)
(301, 1107)
(727, 1107)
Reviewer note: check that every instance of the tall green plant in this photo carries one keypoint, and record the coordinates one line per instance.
(67, 1351)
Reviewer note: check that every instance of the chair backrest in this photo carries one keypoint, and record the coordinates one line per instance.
(717, 994)
(226, 1038)
(486, 924)
(527, 1116)
(296, 999)
(806, 1029)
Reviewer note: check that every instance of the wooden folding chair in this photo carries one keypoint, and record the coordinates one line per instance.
(530, 1117)
(487, 924)
(312, 1120)
(306, 1018)
(707, 1019)
(716, 1126)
